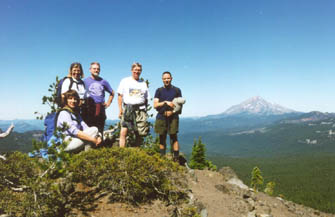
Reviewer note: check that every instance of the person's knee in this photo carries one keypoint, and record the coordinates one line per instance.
(95, 130)
(162, 139)
(74, 144)
(123, 132)
(174, 140)
(174, 137)
(92, 131)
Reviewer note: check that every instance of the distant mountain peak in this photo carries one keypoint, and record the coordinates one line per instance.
(255, 98)
(257, 106)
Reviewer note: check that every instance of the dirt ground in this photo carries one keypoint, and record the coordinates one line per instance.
(226, 200)
(215, 197)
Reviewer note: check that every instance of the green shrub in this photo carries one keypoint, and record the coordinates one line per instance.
(131, 175)
(27, 190)
(188, 211)
(270, 186)
(18, 171)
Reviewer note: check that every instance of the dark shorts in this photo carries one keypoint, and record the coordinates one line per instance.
(169, 126)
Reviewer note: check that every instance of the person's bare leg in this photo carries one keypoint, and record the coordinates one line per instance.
(162, 144)
(123, 134)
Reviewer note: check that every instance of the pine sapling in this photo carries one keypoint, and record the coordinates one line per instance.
(256, 178)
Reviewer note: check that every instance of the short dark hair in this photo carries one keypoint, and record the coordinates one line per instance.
(70, 93)
(167, 72)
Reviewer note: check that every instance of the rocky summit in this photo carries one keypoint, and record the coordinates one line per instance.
(213, 194)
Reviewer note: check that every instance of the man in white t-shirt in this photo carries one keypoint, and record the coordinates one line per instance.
(133, 97)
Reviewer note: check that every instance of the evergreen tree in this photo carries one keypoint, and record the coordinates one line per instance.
(256, 178)
(198, 157)
(270, 188)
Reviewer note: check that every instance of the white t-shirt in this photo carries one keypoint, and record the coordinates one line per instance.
(79, 87)
(133, 92)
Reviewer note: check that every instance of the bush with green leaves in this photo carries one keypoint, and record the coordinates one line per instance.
(257, 181)
(18, 170)
(132, 175)
(198, 158)
(28, 190)
(270, 186)
(187, 211)
(50, 100)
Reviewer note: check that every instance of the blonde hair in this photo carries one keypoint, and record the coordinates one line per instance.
(136, 64)
(76, 65)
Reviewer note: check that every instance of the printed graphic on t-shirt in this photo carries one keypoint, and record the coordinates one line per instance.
(96, 89)
(135, 92)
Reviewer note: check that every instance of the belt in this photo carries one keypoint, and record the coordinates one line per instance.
(136, 106)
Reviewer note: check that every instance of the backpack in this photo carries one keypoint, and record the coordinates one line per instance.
(50, 124)
(59, 89)
(48, 136)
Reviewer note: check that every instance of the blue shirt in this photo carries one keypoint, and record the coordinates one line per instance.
(166, 94)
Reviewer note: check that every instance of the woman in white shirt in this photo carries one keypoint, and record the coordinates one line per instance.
(74, 82)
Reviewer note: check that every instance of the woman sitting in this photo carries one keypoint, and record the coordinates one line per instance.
(78, 134)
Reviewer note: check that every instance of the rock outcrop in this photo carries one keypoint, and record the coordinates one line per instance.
(224, 195)
(214, 194)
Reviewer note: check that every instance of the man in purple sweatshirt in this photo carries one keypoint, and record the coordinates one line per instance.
(95, 114)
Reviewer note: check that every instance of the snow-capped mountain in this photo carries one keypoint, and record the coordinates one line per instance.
(257, 106)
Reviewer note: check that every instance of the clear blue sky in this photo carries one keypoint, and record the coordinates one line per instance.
(220, 52)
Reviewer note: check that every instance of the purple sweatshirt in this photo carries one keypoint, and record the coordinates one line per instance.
(96, 89)
(74, 125)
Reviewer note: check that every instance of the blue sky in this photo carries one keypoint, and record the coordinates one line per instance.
(220, 52)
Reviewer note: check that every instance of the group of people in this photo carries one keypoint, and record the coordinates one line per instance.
(84, 108)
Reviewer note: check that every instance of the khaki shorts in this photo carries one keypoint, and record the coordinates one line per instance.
(142, 125)
(170, 126)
